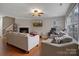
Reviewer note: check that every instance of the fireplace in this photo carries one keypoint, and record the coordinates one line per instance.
(24, 30)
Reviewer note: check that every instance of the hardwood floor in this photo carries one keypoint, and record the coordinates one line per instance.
(8, 50)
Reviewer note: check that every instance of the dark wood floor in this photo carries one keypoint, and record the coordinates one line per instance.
(8, 50)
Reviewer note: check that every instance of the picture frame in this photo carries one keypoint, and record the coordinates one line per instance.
(37, 23)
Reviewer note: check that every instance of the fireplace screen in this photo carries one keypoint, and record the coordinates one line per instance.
(24, 30)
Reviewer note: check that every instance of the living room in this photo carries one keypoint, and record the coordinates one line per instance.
(27, 20)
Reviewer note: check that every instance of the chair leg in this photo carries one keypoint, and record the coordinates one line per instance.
(27, 52)
(37, 45)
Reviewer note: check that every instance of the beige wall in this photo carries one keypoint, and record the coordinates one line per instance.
(47, 24)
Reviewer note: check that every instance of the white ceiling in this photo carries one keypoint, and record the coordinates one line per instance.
(23, 10)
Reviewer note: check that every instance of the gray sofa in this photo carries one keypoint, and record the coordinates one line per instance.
(51, 50)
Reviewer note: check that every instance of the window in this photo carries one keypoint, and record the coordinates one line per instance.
(73, 22)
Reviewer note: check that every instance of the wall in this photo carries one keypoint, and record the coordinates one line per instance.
(23, 23)
(0, 26)
(47, 24)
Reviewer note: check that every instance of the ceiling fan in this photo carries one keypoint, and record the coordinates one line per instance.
(37, 12)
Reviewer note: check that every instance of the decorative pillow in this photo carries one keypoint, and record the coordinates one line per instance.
(66, 40)
(33, 33)
(61, 34)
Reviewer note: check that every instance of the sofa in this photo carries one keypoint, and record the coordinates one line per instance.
(56, 49)
(23, 41)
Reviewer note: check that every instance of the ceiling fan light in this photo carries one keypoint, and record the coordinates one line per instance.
(37, 12)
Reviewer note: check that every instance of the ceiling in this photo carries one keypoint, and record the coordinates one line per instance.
(23, 10)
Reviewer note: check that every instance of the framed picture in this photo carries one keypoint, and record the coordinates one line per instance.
(37, 23)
